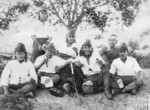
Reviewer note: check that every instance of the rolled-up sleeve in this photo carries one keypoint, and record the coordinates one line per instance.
(137, 67)
(5, 74)
(33, 72)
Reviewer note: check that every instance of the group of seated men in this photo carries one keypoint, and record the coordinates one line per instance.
(111, 71)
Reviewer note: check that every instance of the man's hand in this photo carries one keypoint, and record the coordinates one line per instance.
(45, 61)
(57, 69)
(99, 62)
(104, 49)
(78, 63)
(40, 47)
(50, 38)
(69, 61)
(31, 81)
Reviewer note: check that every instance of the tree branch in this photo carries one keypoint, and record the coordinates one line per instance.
(75, 8)
(66, 14)
(79, 18)
(57, 14)
(69, 11)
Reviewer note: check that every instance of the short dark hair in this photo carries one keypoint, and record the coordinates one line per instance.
(123, 48)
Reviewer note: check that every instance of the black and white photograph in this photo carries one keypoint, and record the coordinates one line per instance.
(74, 54)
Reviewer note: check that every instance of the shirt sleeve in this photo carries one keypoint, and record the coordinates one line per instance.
(38, 61)
(113, 68)
(59, 61)
(32, 72)
(136, 66)
(5, 74)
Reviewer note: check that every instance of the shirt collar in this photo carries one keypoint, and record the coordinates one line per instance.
(126, 60)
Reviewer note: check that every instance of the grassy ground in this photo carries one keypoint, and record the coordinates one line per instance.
(46, 101)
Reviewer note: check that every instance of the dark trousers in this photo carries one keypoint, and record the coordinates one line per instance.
(35, 51)
(130, 83)
(127, 80)
(66, 76)
(23, 88)
(101, 81)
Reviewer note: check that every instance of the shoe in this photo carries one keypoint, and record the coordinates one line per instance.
(115, 91)
(67, 88)
(133, 92)
(29, 95)
(56, 92)
(108, 95)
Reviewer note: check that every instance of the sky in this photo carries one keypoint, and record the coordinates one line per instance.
(10, 38)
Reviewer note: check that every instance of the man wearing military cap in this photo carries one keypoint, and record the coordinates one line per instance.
(128, 70)
(19, 75)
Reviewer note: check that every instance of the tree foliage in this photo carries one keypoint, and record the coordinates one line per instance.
(11, 15)
(71, 13)
(134, 45)
(127, 8)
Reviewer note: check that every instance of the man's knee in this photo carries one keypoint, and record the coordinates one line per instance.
(139, 84)
(1, 90)
(87, 87)
(29, 87)
(56, 78)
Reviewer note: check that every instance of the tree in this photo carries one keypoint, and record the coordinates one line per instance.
(70, 13)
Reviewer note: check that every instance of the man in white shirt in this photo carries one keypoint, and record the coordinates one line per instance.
(19, 75)
(40, 34)
(95, 70)
(128, 69)
(48, 64)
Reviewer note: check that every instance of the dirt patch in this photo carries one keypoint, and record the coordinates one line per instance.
(45, 101)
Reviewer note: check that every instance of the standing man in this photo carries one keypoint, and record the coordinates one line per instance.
(112, 52)
(41, 34)
(128, 70)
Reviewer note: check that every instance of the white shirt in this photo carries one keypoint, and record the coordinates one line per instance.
(129, 68)
(16, 72)
(93, 67)
(51, 65)
(42, 30)
(68, 50)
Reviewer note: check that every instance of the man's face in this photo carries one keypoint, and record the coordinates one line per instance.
(20, 56)
(43, 15)
(49, 54)
(112, 42)
(123, 54)
(71, 38)
(87, 50)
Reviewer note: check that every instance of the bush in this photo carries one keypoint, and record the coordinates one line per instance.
(134, 45)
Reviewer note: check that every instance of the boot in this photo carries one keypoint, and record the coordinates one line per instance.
(108, 95)
(115, 91)
(133, 92)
